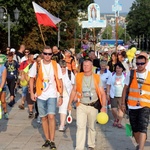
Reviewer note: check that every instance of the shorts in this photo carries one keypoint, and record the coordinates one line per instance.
(115, 102)
(139, 119)
(4, 89)
(28, 99)
(24, 91)
(46, 107)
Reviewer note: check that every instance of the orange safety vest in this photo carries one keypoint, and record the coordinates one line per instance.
(79, 78)
(39, 80)
(134, 92)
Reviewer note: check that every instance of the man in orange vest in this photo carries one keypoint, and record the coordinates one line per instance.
(138, 100)
(89, 90)
(48, 82)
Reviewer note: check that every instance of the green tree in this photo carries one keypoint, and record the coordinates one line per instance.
(27, 31)
(138, 18)
(107, 34)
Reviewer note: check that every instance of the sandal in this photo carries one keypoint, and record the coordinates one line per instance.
(119, 125)
(115, 122)
(21, 106)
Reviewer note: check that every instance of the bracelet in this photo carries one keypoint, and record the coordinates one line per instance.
(60, 96)
(104, 106)
(122, 104)
(108, 94)
(0, 89)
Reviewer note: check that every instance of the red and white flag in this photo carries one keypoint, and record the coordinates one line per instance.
(44, 17)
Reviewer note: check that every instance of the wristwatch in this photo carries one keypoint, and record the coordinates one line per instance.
(60, 96)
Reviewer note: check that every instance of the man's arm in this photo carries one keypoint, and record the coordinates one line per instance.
(72, 96)
(123, 103)
(103, 98)
(61, 93)
(31, 85)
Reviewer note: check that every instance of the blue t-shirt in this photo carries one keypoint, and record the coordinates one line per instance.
(12, 69)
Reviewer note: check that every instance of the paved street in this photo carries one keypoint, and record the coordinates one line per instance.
(22, 133)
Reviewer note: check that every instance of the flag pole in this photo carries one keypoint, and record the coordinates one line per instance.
(42, 35)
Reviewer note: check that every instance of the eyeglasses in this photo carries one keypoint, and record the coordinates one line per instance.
(142, 63)
(63, 66)
(48, 53)
(26, 52)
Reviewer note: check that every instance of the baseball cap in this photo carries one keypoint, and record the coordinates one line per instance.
(144, 54)
(121, 48)
(12, 50)
(69, 51)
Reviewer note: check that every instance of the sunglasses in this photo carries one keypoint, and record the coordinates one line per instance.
(48, 53)
(26, 52)
(142, 63)
(63, 66)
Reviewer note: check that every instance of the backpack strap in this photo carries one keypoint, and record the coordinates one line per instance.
(69, 74)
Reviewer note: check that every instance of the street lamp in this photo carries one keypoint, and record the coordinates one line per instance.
(4, 15)
(58, 39)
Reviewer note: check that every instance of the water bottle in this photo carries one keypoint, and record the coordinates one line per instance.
(0, 110)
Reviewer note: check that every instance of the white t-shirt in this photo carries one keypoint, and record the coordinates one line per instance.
(49, 83)
(104, 77)
(111, 81)
(141, 76)
(24, 59)
(148, 65)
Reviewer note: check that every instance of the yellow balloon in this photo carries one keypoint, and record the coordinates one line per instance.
(128, 52)
(102, 118)
(23, 83)
(133, 49)
(131, 54)
(130, 58)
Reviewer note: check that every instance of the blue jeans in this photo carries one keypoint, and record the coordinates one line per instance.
(46, 107)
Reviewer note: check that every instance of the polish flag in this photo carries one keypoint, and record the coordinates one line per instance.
(44, 17)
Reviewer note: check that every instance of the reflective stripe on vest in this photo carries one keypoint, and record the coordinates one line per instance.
(139, 95)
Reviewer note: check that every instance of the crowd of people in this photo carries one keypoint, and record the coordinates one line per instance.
(93, 80)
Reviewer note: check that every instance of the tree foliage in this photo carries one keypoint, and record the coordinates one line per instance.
(138, 18)
(27, 31)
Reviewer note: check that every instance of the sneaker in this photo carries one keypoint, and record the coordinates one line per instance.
(6, 116)
(62, 129)
(52, 146)
(91, 148)
(31, 115)
(46, 144)
(11, 103)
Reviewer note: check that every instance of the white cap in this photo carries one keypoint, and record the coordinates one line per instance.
(137, 52)
(35, 55)
(12, 50)
(106, 50)
(121, 48)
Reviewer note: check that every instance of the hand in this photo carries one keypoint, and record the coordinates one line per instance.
(104, 109)
(123, 108)
(33, 96)
(60, 101)
(108, 97)
(69, 107)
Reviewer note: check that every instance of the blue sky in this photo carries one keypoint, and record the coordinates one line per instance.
(106, 5)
